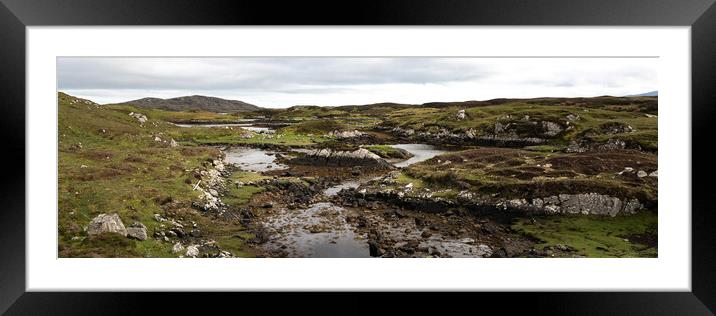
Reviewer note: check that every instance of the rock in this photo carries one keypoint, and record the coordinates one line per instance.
(83, 166)
(267, 205)
(572, 117)
(157, 139)
(551, 128)
(374, 250)
(484, 250)
(173, 143)
(641, 174)
(177, 248)
(346, 134)
(330, 157)
(159, 218)
(106, 223)
(461, 114)
(654, 174)
(140, 117)
(426, 234)
(137, 231)
(192, 251)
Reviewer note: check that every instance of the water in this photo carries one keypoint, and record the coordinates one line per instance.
(345, 185)
(320, 231)
(420, 153)
(253, 159)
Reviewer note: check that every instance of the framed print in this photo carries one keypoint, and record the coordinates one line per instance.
(474, 147)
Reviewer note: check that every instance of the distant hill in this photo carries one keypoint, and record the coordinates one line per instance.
(647, 94)
(195, 102)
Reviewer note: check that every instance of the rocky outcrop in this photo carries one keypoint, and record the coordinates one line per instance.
(583, 145)
(330, 157)
(346, 134)
(502, 136)
(106, 223)
(584, 203)
(588, 203)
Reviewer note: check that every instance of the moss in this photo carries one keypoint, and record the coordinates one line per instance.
(622, 236)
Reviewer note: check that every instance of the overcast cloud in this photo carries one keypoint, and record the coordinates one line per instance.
(283, 82)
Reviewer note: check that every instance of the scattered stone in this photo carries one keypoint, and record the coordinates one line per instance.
(654, 174)
(641, 174)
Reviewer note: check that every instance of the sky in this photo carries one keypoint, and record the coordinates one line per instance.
(287, 81)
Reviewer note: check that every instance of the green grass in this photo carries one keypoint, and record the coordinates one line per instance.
(179, 116)
(514, 173)
(481, 120)
(110, 163)
(593, 236)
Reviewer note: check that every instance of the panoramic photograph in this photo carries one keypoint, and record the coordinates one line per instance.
(357, 157)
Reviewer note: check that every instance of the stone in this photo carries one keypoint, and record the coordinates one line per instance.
(173, 143)
(551, 128)
(641, 174)
(654, 174)
(106, 223)
(137, 231)
(461, 114)
(192, 251)
(177, 248)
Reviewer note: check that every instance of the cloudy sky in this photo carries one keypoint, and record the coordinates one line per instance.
(283, 82)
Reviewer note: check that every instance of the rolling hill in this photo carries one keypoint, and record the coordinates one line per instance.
(195, 102)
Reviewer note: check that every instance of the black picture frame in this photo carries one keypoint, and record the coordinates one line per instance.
(16, 15)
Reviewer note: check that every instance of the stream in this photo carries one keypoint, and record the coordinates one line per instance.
(321, 229)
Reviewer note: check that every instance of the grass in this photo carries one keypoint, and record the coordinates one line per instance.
(621, 236)
(515, 173)
(481, 121)
(180, 116)
(110, 163)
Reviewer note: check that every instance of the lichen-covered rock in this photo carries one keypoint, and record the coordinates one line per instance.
(137, 231)
(461, 114)
(330, 157)
(140, 117)
(106, 223)
(346, 134)
(192, 251)
(177, 248)
(551, 129)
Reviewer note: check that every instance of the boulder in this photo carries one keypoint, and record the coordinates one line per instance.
(177, 248)
(137, 231)
(461, 114)
(106, 223)
(192, 251)
(551, 128)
